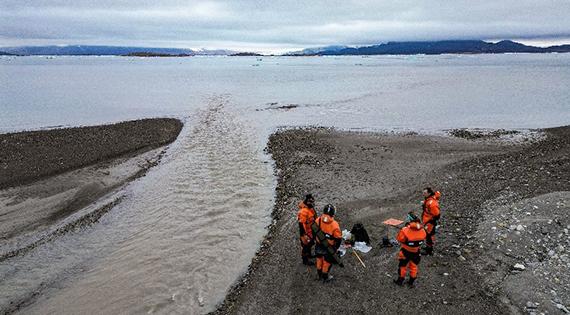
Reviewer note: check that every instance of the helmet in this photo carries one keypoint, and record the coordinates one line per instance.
(329, 210)
(412, 217)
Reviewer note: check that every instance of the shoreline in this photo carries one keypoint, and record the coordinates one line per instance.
(42, 199)
(253, 292)
(28, 156)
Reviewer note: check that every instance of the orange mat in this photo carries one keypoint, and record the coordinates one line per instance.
(393, 222)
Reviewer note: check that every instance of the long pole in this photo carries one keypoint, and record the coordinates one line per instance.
(355, 254)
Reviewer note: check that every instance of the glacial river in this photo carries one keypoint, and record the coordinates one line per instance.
(186, 231)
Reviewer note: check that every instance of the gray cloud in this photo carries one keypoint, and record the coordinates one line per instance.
(268, 25)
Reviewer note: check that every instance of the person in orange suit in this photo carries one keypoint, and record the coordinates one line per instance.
(430, 216)
(411, 237)
(333, 237)
(306, 216)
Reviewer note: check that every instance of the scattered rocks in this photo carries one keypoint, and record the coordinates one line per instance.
(531, 305)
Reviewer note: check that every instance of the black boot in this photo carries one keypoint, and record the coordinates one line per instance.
(428, 251)
(399, 281)
(411, 282)
(326, 277)
(320, 274)
(307, 262)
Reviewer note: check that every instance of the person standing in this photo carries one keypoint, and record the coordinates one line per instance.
(327, 247)
(306, 216)
(430, 216)
(411, 237)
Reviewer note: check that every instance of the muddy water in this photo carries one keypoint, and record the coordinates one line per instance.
(185, 232)
(182, 232)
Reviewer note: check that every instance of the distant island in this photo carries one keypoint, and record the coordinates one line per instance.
(390, 48)
(246, 54)
(149, 54)
(433, 48)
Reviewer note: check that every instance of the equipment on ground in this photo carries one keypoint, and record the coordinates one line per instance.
(359, 234)
(359, 259)
(394, 225)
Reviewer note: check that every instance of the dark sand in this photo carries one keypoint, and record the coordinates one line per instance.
(372, 177)
(28, 156)
(53, 181)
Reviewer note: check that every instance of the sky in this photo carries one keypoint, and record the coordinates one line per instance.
(277, 26)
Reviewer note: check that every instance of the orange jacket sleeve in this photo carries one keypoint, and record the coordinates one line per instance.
(401, 237)
(337, 233)
(301, 216)
(433, 207)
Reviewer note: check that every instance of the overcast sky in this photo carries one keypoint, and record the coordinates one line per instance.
(274, 25)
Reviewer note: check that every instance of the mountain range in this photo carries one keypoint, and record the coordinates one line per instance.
(79, 50)
(434, 48)
(390, 48)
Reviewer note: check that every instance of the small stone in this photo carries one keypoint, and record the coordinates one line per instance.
(463, 258)
(530, 305)
(445, 274)
(519, 267)
(520, 227)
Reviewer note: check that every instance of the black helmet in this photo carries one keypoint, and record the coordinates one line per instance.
(329, 209)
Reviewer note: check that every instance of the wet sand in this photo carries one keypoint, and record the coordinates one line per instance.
(372, 177)
(52, 181)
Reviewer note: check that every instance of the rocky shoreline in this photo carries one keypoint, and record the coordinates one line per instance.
(31, 155)
(371, 177)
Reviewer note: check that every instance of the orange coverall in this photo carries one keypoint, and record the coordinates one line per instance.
(306, 216)
(331, 228)
(411, 238)
(430, 215)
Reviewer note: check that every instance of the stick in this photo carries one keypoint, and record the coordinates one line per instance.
(355, 254)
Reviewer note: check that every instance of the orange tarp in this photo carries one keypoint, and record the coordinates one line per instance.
(393, 222)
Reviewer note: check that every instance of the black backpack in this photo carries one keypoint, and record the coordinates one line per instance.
(359, 233)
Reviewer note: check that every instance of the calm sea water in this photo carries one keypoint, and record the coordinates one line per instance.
(187, 231)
